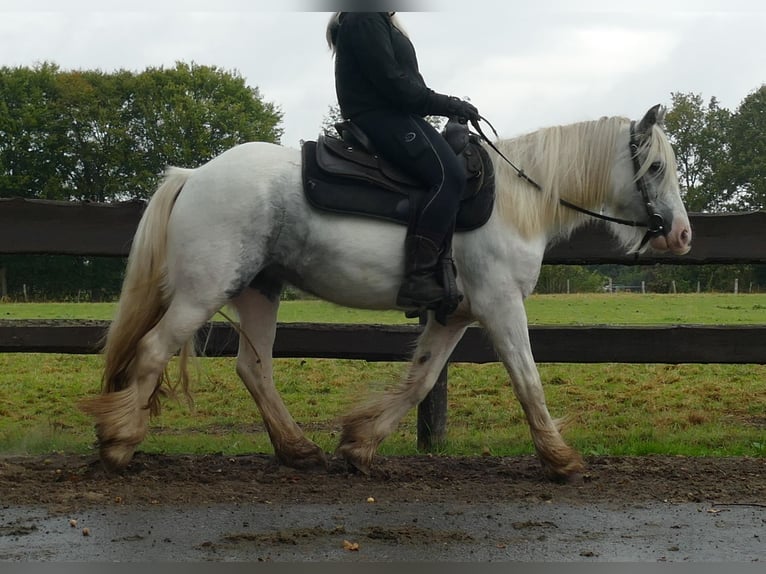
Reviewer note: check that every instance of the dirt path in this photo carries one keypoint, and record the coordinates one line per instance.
(436, 508)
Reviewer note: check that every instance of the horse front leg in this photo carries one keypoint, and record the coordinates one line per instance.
(258, 321)
(366, 427)
(510, 335)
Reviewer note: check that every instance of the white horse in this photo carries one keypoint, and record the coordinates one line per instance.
(236, 229)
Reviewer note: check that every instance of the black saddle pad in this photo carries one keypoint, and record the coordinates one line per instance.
(358, 192)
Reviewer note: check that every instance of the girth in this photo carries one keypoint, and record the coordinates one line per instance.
(343, 177)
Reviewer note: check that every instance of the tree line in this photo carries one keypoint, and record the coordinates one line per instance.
(721, 153)
(96, 136)
(89, 135)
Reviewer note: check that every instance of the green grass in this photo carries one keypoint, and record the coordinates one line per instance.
(96, 311)
(615, 309)
(648, 309)
(289, 312)
(613, 408)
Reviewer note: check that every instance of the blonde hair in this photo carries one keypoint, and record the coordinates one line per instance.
(572, 161)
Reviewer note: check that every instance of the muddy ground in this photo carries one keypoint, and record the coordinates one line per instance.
(414, 507)
(70, 482)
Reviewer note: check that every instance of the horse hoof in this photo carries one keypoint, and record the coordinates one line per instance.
(569, 475)
(354, 461)
(575, 479)
(305, 456)
(116, 458)
(317, 461)
(357, 467)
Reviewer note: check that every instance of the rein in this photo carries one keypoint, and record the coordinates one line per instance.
(654, 224)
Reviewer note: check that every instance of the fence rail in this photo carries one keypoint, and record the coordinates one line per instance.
(559, 344)
(55, 227)
(49, 227)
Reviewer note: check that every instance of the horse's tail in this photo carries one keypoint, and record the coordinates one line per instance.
(145, 291)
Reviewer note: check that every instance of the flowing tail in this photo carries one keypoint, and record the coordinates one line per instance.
(145, 291)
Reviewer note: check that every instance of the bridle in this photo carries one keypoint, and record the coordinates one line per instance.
(654, 223)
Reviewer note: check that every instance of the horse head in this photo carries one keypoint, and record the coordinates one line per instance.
(645, 181)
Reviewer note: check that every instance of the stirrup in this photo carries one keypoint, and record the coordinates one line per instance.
(413, 313)
(452, 297)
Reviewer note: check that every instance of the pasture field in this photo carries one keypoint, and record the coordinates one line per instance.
(618, 409)
(579, 309)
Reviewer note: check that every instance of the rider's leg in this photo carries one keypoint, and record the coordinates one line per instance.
(417, 148)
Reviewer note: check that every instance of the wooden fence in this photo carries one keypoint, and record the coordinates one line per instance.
(49, 227)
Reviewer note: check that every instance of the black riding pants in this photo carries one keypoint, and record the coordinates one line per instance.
(412, 144)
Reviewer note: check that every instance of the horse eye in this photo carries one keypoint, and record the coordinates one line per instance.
(656, 167)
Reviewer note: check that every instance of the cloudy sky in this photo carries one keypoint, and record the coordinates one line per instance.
(524, 64)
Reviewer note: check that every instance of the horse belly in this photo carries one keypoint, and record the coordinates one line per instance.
(351, 262)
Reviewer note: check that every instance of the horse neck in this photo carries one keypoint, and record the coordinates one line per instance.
(571, 162)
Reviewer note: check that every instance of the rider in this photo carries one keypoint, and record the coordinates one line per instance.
(379, 88)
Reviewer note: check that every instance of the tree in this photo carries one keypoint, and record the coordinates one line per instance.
(748, 151)
(189, 114)
(722, 166)
(89, 135)
(26, 117)
(96, 136)
(701, 141)
(332, 117)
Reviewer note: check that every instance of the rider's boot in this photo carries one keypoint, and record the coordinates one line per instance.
(420, 287)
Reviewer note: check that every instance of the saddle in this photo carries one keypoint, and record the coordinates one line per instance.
(345, 175)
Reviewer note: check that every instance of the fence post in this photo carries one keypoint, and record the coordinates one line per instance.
(432, 412)
(432, 416)
(3, 284)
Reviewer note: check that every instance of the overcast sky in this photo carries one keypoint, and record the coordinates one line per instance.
(524, 64)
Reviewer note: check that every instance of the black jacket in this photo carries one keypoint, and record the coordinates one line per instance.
(376, 68)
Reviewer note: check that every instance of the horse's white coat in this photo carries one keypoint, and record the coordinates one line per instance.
(242, 219)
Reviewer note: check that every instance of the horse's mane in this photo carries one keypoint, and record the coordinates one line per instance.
(572, 162)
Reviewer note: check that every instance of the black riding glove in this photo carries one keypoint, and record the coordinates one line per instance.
(441, 105)
(464, 110)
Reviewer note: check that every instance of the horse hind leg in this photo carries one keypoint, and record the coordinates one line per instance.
(258, 322)
(122, 417)
(367, 426)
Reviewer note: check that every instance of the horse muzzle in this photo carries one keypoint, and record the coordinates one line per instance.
(677, 240)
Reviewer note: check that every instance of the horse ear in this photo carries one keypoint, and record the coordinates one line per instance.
(655, 115)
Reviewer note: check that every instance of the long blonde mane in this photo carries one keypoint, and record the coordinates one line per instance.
(572, 162)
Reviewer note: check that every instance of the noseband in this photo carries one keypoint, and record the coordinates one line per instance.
(654, 224)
